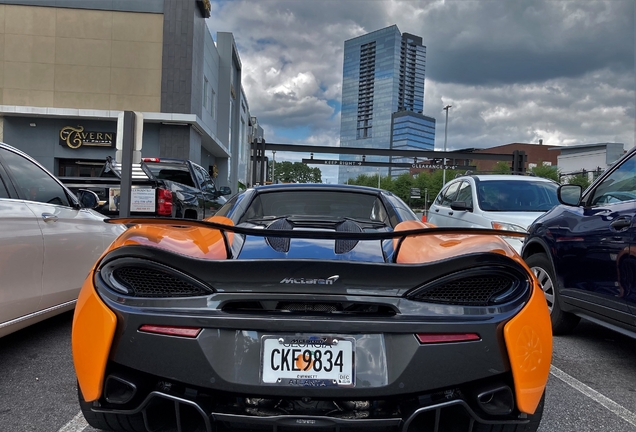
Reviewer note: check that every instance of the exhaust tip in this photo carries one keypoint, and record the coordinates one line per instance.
(117, 390)
(496, 401)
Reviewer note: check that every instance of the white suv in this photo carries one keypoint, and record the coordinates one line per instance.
(508, 202)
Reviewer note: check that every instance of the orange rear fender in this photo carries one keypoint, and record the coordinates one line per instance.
(528, 339)
(94, 327)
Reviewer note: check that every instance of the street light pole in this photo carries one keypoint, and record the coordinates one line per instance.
(445, 139)
(273, 166)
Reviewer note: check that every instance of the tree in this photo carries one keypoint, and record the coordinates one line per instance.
(297, 172)
(437, 178)
(365, 180)
(545, 171)
(402, 186)
(501, 167)
(431, 183)
(579, 179)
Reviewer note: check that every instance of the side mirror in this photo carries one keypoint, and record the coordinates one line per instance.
(225, 190)
(570, 194)
(87, 199)
(461, 206)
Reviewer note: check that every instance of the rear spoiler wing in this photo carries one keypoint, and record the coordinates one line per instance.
(306, 234)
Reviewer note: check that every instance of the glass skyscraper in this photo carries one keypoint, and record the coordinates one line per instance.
(383, 98)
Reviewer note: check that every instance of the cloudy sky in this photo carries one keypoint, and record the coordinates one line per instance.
(513, 71)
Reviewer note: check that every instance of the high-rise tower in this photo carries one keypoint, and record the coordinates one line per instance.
(383, 97)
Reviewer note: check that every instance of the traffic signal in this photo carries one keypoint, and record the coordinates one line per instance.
(518, 162)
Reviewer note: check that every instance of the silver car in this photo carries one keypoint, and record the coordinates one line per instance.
(49, 241)
(506, 202)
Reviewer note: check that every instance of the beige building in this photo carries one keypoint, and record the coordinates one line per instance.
(78, 58)
(68, 68)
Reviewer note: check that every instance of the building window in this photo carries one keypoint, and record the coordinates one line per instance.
(79, 168)
(231, 121)
(242, 137)
(212, 103)
(206, 86)
(366, 84)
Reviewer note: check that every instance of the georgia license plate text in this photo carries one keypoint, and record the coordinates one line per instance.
(311, 361)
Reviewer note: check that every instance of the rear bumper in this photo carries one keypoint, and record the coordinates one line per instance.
(400, 385)
(162, 408)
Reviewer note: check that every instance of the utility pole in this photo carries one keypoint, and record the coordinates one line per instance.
(273, 166)
(445, 139)
(426, 202)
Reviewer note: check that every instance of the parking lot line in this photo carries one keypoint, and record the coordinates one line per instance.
(77, 424)
(606, 402)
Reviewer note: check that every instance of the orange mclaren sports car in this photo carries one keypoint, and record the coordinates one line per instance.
(311, 307)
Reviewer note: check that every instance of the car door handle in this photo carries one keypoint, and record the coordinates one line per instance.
(48, 217)
(450, 213)
(621, 224)
(436, 210)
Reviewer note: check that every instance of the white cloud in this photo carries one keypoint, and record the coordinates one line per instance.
(513, 71)
(561, 111)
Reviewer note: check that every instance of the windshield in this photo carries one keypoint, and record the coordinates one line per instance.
(619, 186)
(517, 196)
(317, 203)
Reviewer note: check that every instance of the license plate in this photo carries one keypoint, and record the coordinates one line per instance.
(308, 361)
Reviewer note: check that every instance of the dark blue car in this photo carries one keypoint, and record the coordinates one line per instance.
(583, 252)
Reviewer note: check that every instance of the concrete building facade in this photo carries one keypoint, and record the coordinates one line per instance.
(588, 159)
(67, 69)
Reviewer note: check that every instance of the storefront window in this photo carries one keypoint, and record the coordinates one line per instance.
(79, 168)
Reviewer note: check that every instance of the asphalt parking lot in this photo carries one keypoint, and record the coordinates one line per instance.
(592, 386)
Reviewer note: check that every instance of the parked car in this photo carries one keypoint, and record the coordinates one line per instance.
(505, 202)
(160, 187)
(311, 307)
(583, 252)
(49, 240)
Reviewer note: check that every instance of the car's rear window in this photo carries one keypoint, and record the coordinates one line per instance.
(316, 203)
(517, 196)
(173, 172)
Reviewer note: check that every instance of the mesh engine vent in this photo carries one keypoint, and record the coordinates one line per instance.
(474, 291)
(344, 246)
(280, 244)
(148, 282)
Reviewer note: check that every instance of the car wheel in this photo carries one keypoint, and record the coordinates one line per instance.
(531, 426)
(108, 421)
(562, 322)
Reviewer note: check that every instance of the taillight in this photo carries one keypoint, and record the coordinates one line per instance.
(189, 332)
(164, 202)
(433, 338)
(151, 159)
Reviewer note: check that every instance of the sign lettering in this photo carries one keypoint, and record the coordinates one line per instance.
(433, 166)
(75, 137)
(383, 164)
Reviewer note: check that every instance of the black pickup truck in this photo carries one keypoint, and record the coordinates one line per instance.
(160, 187)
